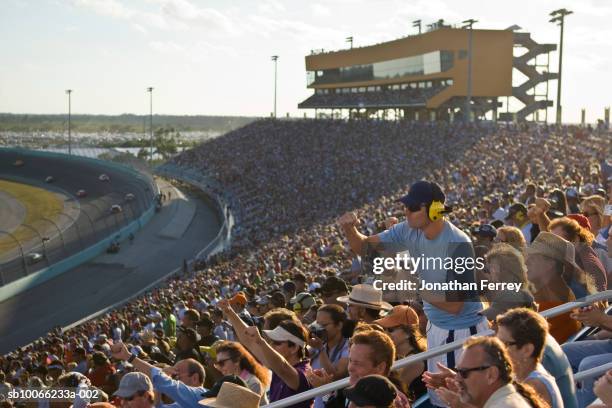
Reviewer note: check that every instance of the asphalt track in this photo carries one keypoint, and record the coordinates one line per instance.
(93, 221)
(107, 279)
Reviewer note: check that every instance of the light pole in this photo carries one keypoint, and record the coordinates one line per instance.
(275, 59)
(69, 91)
(417, 23)
(150, 91)
(350, 41)
(468, 99)
(559, 17)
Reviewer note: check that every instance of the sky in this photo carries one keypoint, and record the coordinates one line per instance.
(212, 57)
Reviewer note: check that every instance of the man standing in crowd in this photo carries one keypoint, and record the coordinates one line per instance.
(426, 233)
(517, 217)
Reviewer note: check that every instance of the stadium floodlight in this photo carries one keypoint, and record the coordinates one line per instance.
(69, 92)
(468, 99)
(275, 59)
(417, 23)
(559, 17)
(350, 40)
(150, 91)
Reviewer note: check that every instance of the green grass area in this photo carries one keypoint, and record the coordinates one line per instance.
(38, 203)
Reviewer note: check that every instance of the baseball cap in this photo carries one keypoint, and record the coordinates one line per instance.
(401, 315)
(131, 383)
(373, 390)
(485, 230)
(516, 208)
(581, 220)
(238, 299)
(423, 192)
(302, 301)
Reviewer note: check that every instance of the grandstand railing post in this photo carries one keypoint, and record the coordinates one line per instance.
(25, 265)
(76, 226)
(61, 235)
(42, 241)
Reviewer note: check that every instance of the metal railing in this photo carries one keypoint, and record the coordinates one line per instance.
(343, 383)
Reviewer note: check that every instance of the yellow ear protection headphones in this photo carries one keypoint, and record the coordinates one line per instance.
(437, 209)
(520, 216)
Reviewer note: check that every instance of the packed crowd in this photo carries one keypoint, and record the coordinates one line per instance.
(386, 98)
(292, 306)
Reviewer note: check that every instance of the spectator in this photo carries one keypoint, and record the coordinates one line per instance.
(372, 390)
(233, 396)
(187, 345)
(587, 354)
(302, 303)
(586, 258)
(512, 236)
(524, 332)
(190, 319)
(205, 330)
(182, 394)
(135, 389)
(484, 235)
(332, 289)
(284, 354)
(484, 378)
(505, 264)
(371, 353)
(426, 232)
(329, 348)
(402, 325)
(517, 217)
(550, 262)
(233, 359)
(364, 303)
(603, 389)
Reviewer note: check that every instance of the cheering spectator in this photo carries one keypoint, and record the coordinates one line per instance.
(182, 394)
(135, 389)
(284, 354)
(427, 233)
(233, 359)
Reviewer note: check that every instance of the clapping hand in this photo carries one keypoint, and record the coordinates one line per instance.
(318, 377)
(436, 380)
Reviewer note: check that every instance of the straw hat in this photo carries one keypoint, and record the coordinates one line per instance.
(365, 296)
(553, 246)
(233, 396)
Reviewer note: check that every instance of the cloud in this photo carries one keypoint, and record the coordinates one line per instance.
(188, 15)
(111, 8)
(320, 10)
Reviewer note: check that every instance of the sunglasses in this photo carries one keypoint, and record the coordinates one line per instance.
(465, 372)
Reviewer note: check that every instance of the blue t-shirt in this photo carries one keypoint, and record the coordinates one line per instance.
(451, 243)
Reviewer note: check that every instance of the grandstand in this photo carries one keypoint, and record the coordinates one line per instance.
(285, 184)
(425, 77)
